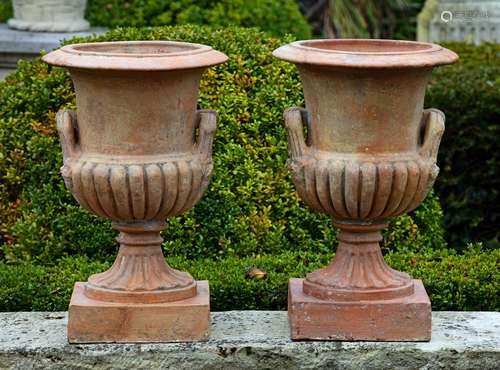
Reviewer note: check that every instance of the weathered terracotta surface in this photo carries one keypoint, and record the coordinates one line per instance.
(399, 319)
(136, 152)
(98, 321)
(370, 154)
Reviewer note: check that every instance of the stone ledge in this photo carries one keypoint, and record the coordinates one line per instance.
(251, 340)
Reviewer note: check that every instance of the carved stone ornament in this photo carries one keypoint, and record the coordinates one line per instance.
(370, 154)
(137, 151)
(49, 15)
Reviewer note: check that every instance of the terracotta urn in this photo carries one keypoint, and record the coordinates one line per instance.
(49, 15)
(137, 151)
(370, 154)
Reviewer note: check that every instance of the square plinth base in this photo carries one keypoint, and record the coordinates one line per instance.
(92, 321)
(403, 319)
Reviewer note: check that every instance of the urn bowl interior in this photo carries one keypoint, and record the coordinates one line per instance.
(365, 53)
(138, 49)
(135, 56)
(361, 46)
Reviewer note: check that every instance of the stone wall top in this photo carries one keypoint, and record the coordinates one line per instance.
(251, 340)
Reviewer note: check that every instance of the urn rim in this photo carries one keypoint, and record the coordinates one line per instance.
(366, 53)
(135, 56)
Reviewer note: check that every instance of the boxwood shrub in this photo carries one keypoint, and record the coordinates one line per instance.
(251, 206)
(279, 17)
(466, 281)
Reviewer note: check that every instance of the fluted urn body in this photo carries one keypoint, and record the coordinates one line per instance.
(137, 151)
(370, 152)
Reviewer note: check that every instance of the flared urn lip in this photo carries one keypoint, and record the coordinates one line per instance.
(135, 56)
(365, 53)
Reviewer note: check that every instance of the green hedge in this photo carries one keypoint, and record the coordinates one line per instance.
(251, 206)
(469, 182)
(468, 281)
(279, 17)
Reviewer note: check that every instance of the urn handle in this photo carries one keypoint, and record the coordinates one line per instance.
(206, 124)
(67, 128)
(432, 132)
(68, 133)
(295, 118)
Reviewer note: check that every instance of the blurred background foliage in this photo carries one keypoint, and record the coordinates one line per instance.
(327, 18)
(278, 17)
(388, 19)
(469, 181)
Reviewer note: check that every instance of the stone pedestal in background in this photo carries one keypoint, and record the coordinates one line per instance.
(16, 45)
(49, 15)
(459, 20)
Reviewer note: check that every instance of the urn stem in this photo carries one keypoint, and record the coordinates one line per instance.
(140, 273)
(358, 270)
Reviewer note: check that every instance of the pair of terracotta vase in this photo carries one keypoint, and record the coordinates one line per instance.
(138, 151)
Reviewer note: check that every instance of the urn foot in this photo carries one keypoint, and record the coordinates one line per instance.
(140, 298)
(140, 273)
(358, 296)
(400, 319)
(95, 321)
(358, 270)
